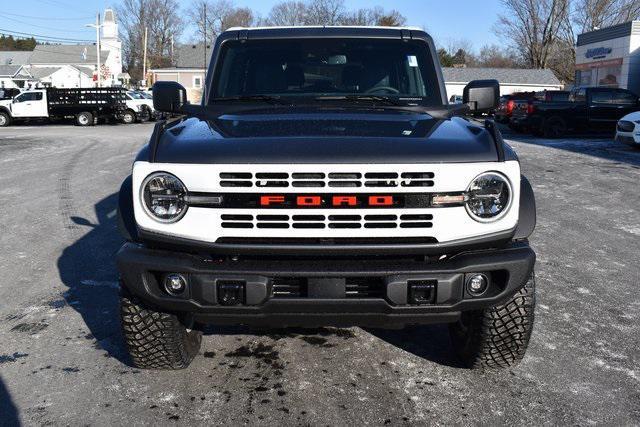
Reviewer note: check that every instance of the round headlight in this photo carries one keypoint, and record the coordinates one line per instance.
(488, 197)
(163, 196)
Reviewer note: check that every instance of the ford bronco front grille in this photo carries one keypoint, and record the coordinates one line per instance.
(323, 180)
(350, 221)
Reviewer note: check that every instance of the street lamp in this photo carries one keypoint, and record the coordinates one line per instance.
(97, 26)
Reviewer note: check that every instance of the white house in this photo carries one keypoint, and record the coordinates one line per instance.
(189, 70)
(13, 76)
(71, 65)
(511, 79)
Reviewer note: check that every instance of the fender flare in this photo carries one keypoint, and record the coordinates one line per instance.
(6, 110)
(126, 218)
(527, 212)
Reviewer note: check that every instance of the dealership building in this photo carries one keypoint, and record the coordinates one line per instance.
(610, 57)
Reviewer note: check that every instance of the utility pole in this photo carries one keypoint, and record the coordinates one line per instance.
(204, 27)
(97, 27)
(144, 58)
(172, 62)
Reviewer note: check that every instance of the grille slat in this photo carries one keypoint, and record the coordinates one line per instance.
(322, 179)
(331, 221)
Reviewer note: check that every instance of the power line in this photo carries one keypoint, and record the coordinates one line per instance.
(48, 18)
(40, 26)
(55, 3)
(39, 36)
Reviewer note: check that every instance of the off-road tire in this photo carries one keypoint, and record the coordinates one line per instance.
(5, 119)
(128, 117)
(84, 118)
(496, 337)
(156, 340)
(554, 127)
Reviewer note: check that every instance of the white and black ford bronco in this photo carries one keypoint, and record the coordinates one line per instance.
(325, 180)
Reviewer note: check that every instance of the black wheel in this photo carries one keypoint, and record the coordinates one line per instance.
(144, 115)
(128, 117)
(84, 119)
(496, 337)
(156, 340)
(5, 119)
(554, 127)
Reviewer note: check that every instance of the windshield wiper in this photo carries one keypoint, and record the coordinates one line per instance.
(374, 98)
(274, 100)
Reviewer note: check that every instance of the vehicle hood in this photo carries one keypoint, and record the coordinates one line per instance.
(324, 137)
(632, 117)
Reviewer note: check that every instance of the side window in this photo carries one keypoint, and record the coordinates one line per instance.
(625, 98)
(29, 96)
(601, 97)
(579, 95)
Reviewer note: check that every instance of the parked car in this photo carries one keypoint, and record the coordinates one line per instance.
(139, 108)
(85, 106)
(552, 96)
(322, 182)
(507, 104)
(594, 109)
(628, 129)
(523, 108)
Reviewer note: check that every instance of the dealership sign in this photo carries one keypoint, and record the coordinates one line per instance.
(600, 64)
(598, 52)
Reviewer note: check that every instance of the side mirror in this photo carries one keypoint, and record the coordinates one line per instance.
(482, 96)
(169, 97)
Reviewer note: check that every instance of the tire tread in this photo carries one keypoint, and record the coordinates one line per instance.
(499, 335)
(156, 340)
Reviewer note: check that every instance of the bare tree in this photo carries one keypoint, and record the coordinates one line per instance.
(162, 20)
(164, 26)
(287, 13)
(534, 28)
(373, 16)
(325, 12)
(213, 17)
(493, 56)
(593, 14)
(392, 18)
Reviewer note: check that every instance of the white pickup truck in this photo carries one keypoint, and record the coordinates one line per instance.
(85, 106)
(139, 108)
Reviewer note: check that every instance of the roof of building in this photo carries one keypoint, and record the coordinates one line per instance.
(505, 76)
(192, 56)
(42, 72)
(604, 34)
(66, 54)
(86, 70)
(9, 70)
(15, 57)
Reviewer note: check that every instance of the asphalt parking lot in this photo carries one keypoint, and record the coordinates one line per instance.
(61, 353)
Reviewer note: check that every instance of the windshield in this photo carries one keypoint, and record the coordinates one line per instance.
(313, 68)
(135, 95)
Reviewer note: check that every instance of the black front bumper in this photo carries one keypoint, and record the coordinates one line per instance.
(382, 286)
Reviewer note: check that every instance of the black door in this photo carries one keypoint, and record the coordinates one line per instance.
(602, 112)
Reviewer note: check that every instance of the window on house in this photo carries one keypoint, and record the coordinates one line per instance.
(197, 82)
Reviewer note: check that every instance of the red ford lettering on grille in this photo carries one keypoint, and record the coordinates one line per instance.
(328, 201)
(345, 201)
(271, 200)
(380, 201)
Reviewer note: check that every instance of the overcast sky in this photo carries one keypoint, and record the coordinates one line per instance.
(472, 20)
